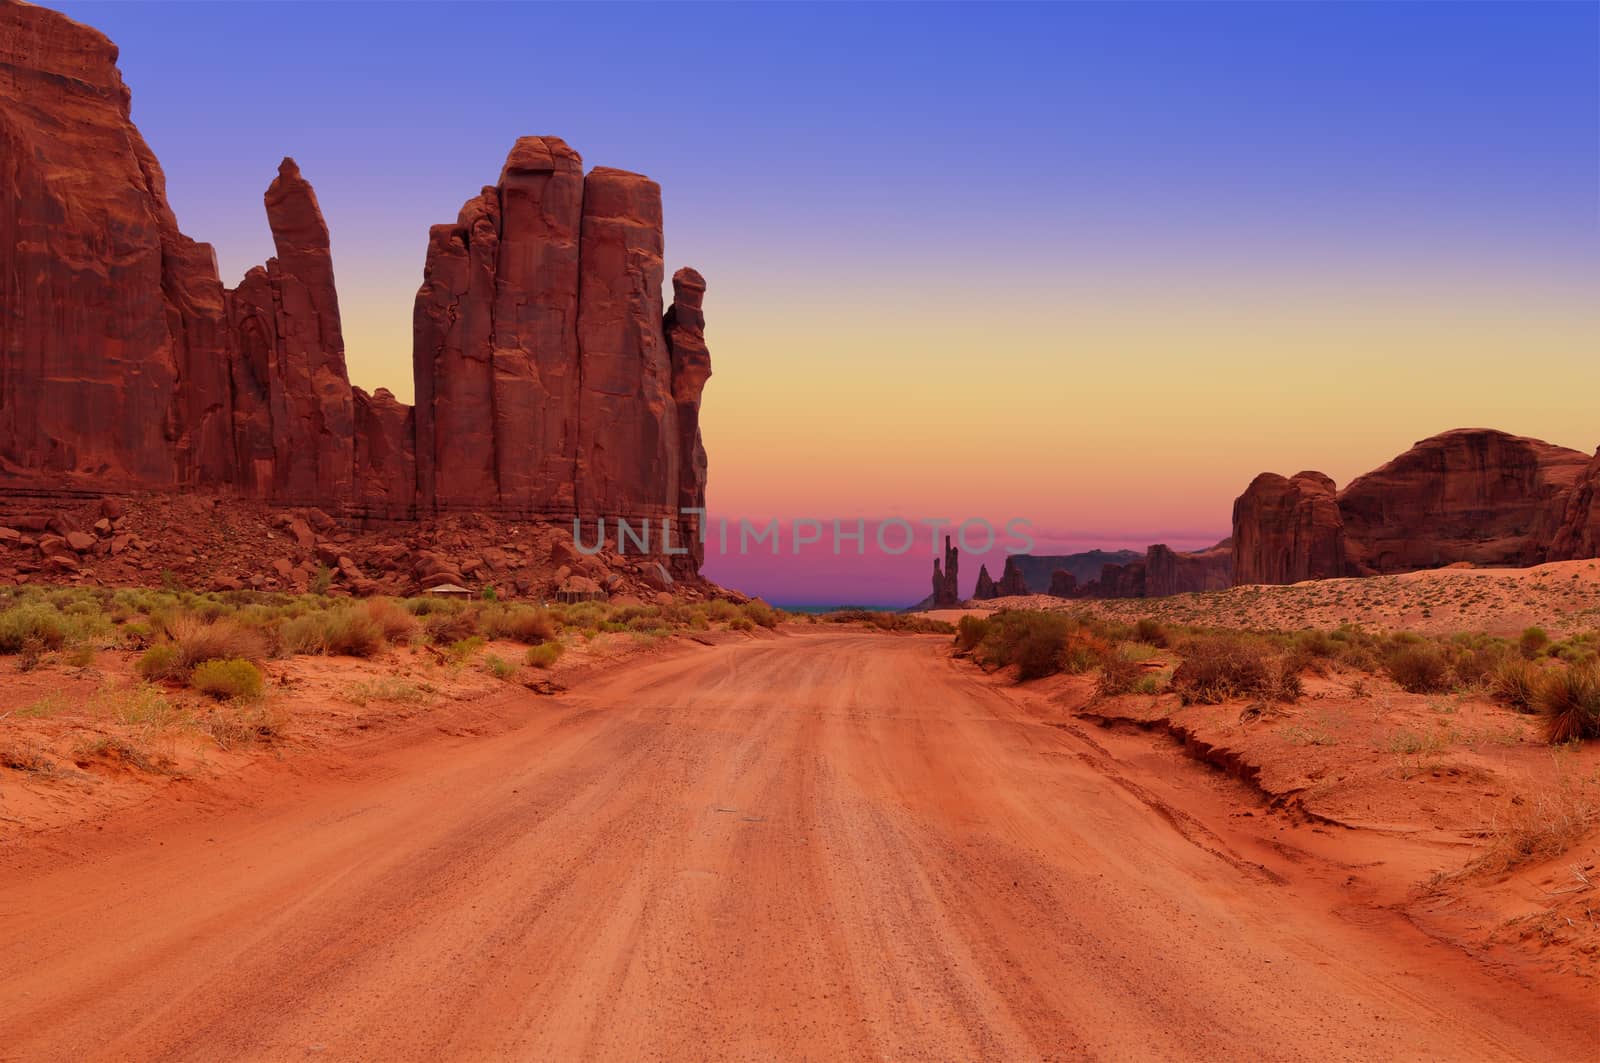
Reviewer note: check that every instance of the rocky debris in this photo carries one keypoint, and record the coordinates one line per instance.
(1471, 495)
(550, 380)
(946, 585)
(200, 544)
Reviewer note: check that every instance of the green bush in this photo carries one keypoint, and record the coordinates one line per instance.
(543, 655)
(226, 678)
(498, 666)
(759, 612)
(1028, 638)
(1419, 667)
(161, 661)
(343, 631)
(1533, 642)
(34, 623)
(970, 630)
(1151, 631)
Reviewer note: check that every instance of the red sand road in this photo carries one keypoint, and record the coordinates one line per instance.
(820, 846)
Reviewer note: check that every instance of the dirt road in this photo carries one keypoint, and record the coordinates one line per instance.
(819, 846)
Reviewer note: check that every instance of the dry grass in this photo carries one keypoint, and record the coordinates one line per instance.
(1537, 826)
(1217, 668)
(399, 691)
(200, 640)
(1569, 700)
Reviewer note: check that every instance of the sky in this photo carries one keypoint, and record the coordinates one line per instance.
(1091, 266)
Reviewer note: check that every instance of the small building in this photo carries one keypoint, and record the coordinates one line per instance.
(449, 590)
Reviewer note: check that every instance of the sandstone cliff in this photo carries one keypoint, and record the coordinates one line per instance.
(550, 380)
(1470, 495)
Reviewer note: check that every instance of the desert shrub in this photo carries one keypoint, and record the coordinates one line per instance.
(543, 655)
(970, 630)
(738, 623)
(1029, 639)
(350, 631)
(498, 666)
(322, 580)
(1120, 673)
(463, 650)
(1313, 643)
(722, 611)
(759, 612)
(344, 631)
(394, 621)
(1084, 651)
(1216, 668)
(32, 621)
(445, 628)
(519, 623)
(207, 640)
(226, 678)
(159, 662)
(1569, 700)
(1419, 667)
(1475, 660)
(1150, 630)
(1515, 683)
(1533, 642)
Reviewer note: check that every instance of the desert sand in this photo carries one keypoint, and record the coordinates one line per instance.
(825, 844)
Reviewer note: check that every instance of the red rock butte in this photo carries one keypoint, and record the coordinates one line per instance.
(550, 380)
(1469, 496)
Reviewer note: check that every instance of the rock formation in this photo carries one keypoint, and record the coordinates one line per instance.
(1288, 529)
(550, 381)
(1579, 534)
(1063, 584)
(114, 328)
(1039, 569)
(985, 589)
(1467, 495)
(946, 586)
(1470, 495)
(1011, 582)
(685, 325)
(1169, 571)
